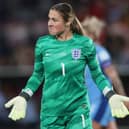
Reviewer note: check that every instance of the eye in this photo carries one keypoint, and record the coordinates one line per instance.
(54, 19)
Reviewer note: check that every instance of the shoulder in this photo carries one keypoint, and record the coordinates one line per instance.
(102, 52)
(101, 49)
(44, 38)
(84, 39)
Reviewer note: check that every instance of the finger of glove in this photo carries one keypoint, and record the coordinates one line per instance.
(114, 113)
(13, 113)
(117, 113)
(125, 110)
(10, 103)
(22, 115)
(124, 98)
(16, 114)
(121, 112)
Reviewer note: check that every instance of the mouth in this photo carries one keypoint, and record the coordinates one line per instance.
(51, 31)
(51, 28)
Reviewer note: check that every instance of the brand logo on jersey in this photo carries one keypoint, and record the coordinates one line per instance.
(76, 53)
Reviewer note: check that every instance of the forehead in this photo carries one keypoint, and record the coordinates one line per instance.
(54, 14)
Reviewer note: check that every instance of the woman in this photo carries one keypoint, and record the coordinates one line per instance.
(100, 110)
(60, 60)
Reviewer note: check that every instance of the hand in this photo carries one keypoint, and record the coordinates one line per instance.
(118, 108)
(18, 110)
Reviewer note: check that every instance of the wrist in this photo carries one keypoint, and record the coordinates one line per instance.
(25, 95)
(110, 94)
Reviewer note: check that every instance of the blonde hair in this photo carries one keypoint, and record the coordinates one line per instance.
(93, 25)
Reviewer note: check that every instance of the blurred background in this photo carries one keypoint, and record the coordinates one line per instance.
(23, 21)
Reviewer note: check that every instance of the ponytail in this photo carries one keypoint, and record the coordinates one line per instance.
(76, 27)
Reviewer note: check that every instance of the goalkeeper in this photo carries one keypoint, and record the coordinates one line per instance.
(60, 60)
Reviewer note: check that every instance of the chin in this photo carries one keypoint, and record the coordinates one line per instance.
(51, 33)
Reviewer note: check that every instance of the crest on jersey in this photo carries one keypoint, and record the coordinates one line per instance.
(76, 53)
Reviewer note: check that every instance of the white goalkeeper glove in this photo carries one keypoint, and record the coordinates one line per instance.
(118, 108)
(18, 110)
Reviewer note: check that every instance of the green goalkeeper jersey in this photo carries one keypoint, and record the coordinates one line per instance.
(61, 65)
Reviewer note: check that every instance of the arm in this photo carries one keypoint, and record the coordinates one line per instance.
(19, 103)
(112, 73)
(96, 72)
(38, 73)
(109, 69)
(116, 102)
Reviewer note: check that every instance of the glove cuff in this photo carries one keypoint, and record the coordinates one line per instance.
(25, 95)
(110, 94)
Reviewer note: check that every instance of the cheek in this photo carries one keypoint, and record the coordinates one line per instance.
(57, 28)
(60, 27)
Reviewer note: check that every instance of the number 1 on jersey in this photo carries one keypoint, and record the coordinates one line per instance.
(63, 69)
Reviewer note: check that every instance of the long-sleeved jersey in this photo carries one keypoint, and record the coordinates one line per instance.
(62, 64)
(104, 62)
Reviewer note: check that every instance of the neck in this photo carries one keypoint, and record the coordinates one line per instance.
(64, 35)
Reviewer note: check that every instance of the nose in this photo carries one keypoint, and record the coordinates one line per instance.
(50, 23)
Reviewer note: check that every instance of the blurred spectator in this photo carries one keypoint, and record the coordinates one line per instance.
(116, 8)
(38, 27)
(23, 55)
(4, 49)
(16, 32)
(115, 45)
(119, 34)
(120, 28)
(99, 8)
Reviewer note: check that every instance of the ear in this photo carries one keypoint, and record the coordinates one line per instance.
(67, 24)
